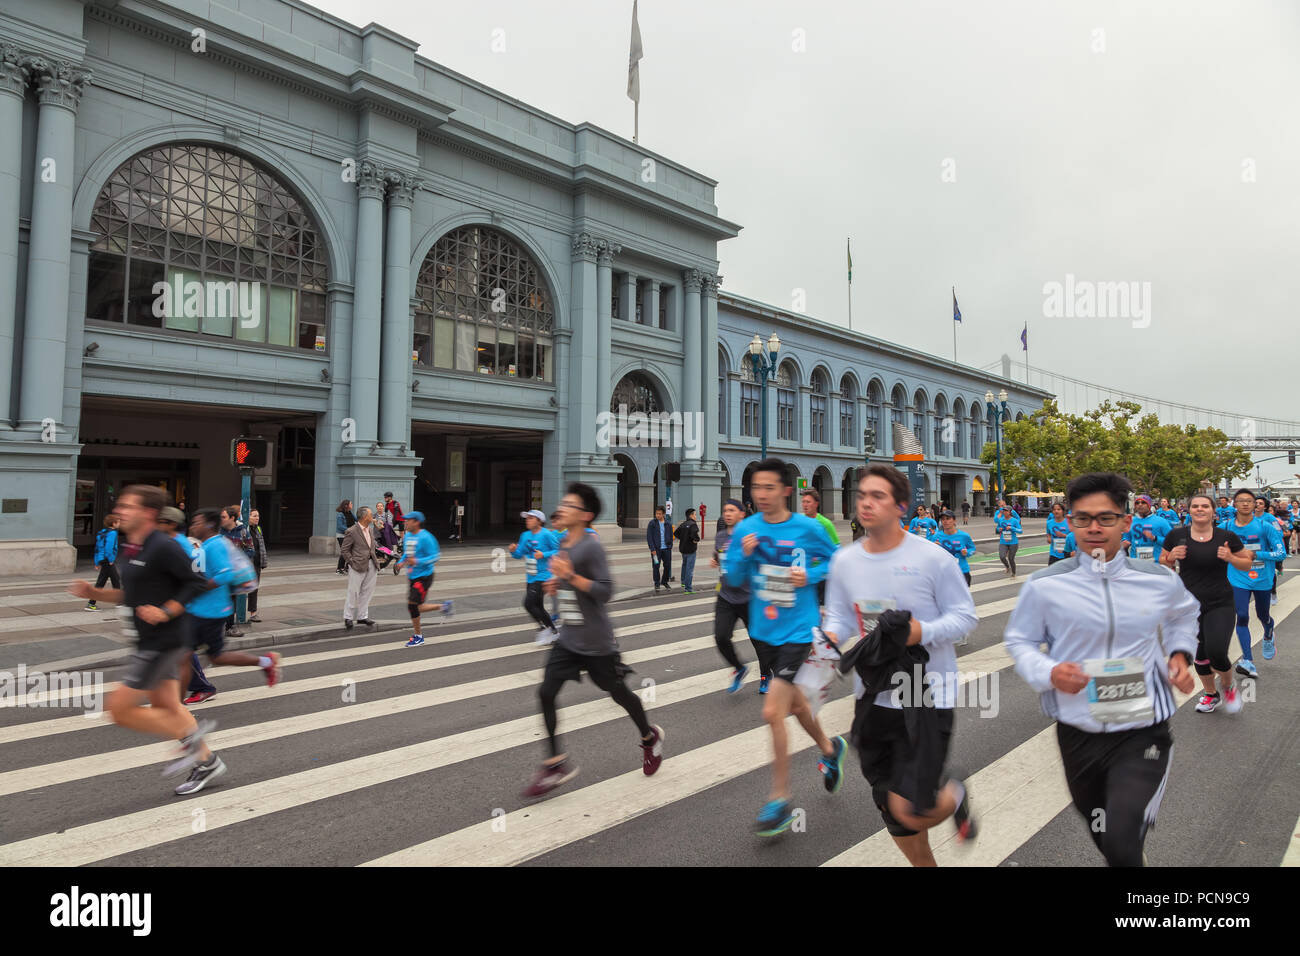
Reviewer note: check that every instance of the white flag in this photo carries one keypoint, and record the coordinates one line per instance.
(634, 54)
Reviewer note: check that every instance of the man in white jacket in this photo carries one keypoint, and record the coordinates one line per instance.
(1119, 632)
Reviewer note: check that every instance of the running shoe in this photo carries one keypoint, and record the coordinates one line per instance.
(190, 747)
(1231, 700)
(1247, 668)
(200, 696)
(763, 684)
(832, 768)
(415, 641)
(549, 777)
(255, 619)
(652, 754)
(967, 831)
(737, 679)
(1270, 648)
(90, 606)
(201, 775)
(273, 671)
(775, 817)
(448, 612)
(1208, 703)
(367, 622)
(1273, 599)
(546, 636)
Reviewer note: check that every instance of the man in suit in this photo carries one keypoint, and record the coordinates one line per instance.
(362, 561)
(659, 539)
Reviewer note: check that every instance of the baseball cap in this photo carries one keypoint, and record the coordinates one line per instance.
(947, 514)
(415, 516)
(535, 513)
(172, 514)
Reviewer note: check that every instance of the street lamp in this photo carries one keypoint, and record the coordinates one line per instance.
(764, 367)
(998, 413)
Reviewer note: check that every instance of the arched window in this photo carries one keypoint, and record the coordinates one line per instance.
(919, 409)
(751, 399)
(786, 383)
(723, 421)
(637, 392)
(942, 427)
(483, 307)
(848, 413)
(897, 413)
(876, 413)
(977, 412)
(817, 401)
(198, 239)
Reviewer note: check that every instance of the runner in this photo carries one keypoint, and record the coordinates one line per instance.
(1255, 583)
(1281, 521)
(780, 556)
(810, 503)
(421, 551)
(581, 578)
(1146, 532)
(922, 524)
(536, 545)
(732, 603)
(171, 522)
(157, 581)
(922, 608)
(1201, 555)
(1058, 529)
(208, 611)
(1225, 511)
(1169, 514)
(1007, 525)
(1104, 620)
(957, 543)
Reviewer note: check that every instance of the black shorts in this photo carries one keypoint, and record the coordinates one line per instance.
(563, 665)
(419, 589)
(149, 668)
(781, 660)
(892, 762)
(209, 632)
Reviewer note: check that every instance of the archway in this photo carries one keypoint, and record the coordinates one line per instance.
(628, 493)
(848, 493)
(822, 481)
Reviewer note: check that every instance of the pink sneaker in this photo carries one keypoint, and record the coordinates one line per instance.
(549, 777)
(652, 754)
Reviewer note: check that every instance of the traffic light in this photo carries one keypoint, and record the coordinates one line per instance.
(248, 452)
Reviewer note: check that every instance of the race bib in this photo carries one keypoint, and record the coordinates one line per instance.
(1118, 692)
(773, 585)
(1058, 546)
(570, 613)
(1008, 535)
(127, 614)
(530, 565)
(1146, 552)
(869, 611)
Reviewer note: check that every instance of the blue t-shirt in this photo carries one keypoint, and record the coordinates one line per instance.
(927, 527)
(1071, 545)
(1266, 541)
(1148, 532)
(543, 540)
(216, 566)
(778, 612)
(954, 544)
(1225, 514)
(1170, 516)
(1057, 532)
(424, 548)
(1008, 529)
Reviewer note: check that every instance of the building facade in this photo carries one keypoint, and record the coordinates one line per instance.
(267, 221)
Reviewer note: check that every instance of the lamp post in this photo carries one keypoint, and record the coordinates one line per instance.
(764, 367)
(998, 413)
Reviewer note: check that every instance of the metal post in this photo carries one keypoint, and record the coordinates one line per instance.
(245, 508)
(763, 390)
(997, 418)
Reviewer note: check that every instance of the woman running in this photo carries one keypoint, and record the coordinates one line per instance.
(1058, 529)
(1201, 554)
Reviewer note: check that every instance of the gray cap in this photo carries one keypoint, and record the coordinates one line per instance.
(174, 515)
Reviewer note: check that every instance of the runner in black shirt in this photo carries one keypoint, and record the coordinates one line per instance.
(158, 580)
(1200, 553)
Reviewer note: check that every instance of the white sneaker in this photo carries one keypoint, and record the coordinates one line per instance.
(1232, 699)
(546, 636)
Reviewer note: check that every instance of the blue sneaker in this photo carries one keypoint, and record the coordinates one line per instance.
(832, 767)
(448, 612)
(1247, 668)
(774, 818)
(1270, 649)
(737, 679)
(762, 684)
(415, 641)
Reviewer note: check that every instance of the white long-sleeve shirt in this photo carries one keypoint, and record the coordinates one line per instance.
(919, 576)
(1082, 609)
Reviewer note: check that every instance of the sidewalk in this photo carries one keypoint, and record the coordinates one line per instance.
(301, 599)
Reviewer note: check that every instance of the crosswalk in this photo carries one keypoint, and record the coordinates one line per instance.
(372, 754)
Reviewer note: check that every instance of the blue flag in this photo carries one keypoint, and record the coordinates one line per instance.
(1024, 338)
(956, 312)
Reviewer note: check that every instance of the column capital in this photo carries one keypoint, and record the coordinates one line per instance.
(584, 247)
(371, 180)
(58, 82)
(606, 251)
(401, 187)
(15, 73)
(709, 285)
(692, 279)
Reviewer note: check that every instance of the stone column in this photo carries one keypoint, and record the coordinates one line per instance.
(692, 337)
(395, 358)
(650, 304)
(606, 251)
(45, 328)
(627, 299)
(14, 77)
(803, 416)
(584, 389)
(367, 307)
(709, 345)
(833, 421)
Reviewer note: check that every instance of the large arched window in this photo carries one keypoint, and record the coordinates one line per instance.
(637, 392)
(941, 425)
(751, 400)
(723, 420)
(920, 407)
(848, 413)
(484, 307)
(876, 413)
(977, 413)
(786, 383)
(193, 238)
(817, 401)
(897, 413)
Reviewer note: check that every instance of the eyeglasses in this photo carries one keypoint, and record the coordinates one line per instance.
(1106, 519)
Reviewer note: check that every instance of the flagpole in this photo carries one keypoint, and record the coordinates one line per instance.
(954, 329)
(636, 119)
(1026, 353)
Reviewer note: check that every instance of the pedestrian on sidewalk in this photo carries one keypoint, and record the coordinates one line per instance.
(688, 541)
(106, 557)
(362, 558)
(393, 510)
(659, 539)
(259, 562)
(387, 538)
(342, 521)
(965, 512)
(536, 547)
(238, 534)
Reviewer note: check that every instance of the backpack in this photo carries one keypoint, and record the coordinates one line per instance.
(245, 579)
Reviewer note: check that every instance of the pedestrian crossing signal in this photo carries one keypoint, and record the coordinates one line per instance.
(248, 452)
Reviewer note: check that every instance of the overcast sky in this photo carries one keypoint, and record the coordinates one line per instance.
(1116, 142)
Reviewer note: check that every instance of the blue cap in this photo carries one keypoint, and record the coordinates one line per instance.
(414, 515)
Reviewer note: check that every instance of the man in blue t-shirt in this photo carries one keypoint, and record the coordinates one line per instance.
(957, 543)
(536, 546)
(1147, 532)
(782, 556)
(421, 550)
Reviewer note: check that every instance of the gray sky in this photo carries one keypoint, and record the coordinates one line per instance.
(1117, 156)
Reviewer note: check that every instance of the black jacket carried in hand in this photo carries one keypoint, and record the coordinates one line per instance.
(884, 652)
(688, 536)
